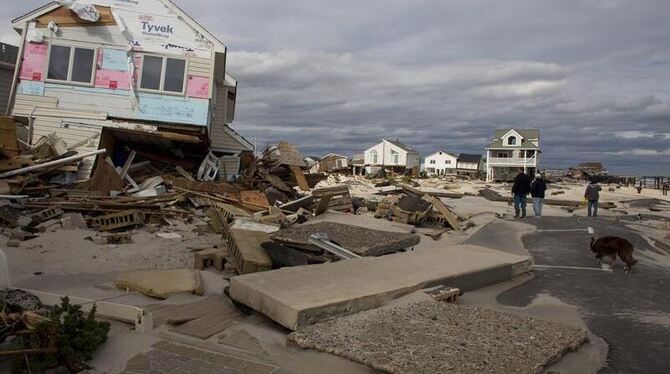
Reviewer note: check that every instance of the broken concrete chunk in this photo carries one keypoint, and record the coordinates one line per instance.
(246, 248)
(161, 283)
(359, 240)
(73, 221)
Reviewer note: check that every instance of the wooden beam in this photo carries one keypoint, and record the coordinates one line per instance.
(63, 161)
(300, 177)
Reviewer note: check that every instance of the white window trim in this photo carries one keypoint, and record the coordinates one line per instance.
(70, 65)
(162, 79)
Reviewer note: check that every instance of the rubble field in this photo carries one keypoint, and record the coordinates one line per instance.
(437, 337)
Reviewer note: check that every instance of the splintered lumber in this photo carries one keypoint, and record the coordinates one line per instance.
(106, 179)
(8, 142)
(63, 161)
(340, 197)
(299, 177)
(451, 218)
(418, 192)
(323, 205)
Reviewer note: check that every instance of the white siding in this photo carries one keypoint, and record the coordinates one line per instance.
(385, 156)
(440, 163)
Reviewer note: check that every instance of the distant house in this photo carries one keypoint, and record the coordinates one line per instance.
(390, 153)
(440, 163)
(512, 150)
(469, 163)
(333, 162)
(312, 163)
(8, 55)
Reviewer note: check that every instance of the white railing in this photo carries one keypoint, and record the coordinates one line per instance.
(513, 161)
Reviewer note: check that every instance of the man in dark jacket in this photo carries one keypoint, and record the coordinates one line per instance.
(592, 194)
(537, 190)
(520, 190)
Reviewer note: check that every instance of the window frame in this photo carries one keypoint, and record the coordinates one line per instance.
(373, 156)
(70, 66)
(161, 90)
(509, 140)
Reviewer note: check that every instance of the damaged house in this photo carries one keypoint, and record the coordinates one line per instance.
(122, 75)
(512, 150)
(391, 154)
(333, 162)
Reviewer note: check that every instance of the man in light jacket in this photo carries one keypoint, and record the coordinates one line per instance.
(537, 190)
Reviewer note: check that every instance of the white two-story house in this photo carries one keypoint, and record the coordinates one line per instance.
(512, 150)
(137, 69)
(392, 154)
(440, 163)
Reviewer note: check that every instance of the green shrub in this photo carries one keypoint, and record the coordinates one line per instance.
(75, 335)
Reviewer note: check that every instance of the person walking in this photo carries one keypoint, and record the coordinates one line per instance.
(592, 195)
(537, 191)
(520, 190)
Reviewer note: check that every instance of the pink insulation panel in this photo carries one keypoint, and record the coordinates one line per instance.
(34, 61)
(197, 87)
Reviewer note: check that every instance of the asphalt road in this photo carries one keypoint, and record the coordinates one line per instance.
(631, 312)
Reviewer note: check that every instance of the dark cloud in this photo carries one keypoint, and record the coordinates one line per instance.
(593, 75)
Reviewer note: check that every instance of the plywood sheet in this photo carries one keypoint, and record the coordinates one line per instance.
(64, 17)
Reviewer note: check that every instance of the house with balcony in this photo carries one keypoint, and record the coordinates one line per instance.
(391, 154)
(512, 150)
(139, 75)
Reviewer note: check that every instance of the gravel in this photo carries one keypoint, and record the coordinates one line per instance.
(436, 337)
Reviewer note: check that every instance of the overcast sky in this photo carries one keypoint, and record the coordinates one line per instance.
(592, 75)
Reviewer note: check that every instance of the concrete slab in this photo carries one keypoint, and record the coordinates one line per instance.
(299, 296)
(160, 283)
(360, 240)
(362, 221)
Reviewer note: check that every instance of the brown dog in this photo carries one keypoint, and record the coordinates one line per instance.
(613, 246)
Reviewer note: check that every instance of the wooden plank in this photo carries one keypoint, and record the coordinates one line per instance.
(322, 206)
(254, 201)
(300, 177)
(8, 141)
(451, 218)
(106, 179)
(129, 162)
(64, 17)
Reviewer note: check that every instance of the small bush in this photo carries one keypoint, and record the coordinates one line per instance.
(75, 335)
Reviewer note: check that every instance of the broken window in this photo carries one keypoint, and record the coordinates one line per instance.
(71, 64)
(511, 140)
(163, 74)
